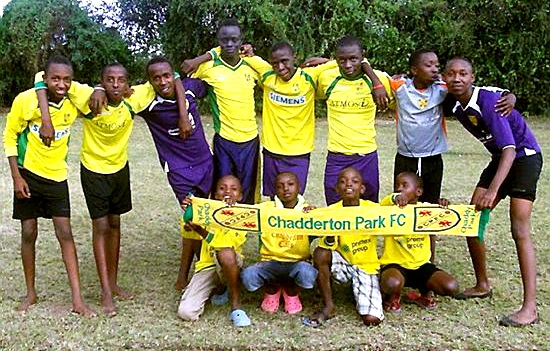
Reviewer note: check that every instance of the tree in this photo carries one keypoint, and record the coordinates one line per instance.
(58, 27)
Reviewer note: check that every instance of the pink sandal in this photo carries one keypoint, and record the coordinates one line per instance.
(292, 303)
(270, 303)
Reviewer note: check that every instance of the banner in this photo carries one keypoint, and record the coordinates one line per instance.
(457, 220)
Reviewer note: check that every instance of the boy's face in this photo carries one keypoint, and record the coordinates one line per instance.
(230, 40)
(287, 188)
(426, 70)
(349, 60)
(459, 77)
(58, 79)
(162, 79)
(350, 186)
(228, 187)
(283, 61)
(115, 82)
(408, 186)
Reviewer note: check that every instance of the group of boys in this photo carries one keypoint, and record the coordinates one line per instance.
(38, 128)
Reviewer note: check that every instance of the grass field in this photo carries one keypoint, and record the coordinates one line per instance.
(150, 256)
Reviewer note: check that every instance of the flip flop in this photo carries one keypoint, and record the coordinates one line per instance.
(240, 318)
(316, 320)
(510, 322)
(463, 296)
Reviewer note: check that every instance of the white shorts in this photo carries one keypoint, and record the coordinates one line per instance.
(366, 288)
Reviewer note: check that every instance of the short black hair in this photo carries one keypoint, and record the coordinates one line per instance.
(282, 45)
(155, 60)
(349, 40)
(229, 22)
(114, 64)
(414, 59)
(418, 180)
(461, 58)
(57, 59)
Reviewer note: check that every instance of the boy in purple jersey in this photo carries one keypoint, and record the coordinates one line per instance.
(514, 170)
(187, 163)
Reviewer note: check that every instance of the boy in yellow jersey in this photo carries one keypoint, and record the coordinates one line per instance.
(284, 267)
(40, 175)
(358, 266)
(231, 84)
(219, 261)
(406, 258)
(351, 113)
(104, 171)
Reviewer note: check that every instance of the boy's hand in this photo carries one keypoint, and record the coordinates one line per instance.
(47, 132)
(192, 227)
(21, 188)
(314, 61)
(380, 98)
(443, 202)
(308, 209)
(246, 50)
(185, 128)
(129, 91)
(400, 200)
(98, 101)
(186, 202)
(505, 104)
(229, 201)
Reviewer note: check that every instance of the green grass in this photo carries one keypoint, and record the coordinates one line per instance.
(150, 256)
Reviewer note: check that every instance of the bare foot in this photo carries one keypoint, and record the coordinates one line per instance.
(83, 310)
(123, 294)
(29, 300)
(108, 305)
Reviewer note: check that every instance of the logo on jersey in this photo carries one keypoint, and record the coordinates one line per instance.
(473, 120)
(422, 103)
(287, 100)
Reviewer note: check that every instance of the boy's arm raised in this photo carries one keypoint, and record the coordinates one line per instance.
(46, 131)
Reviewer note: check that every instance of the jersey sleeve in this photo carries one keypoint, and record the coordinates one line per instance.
(195, 86)
(498, 126)
(388, 200)
(314, 72)
(258, 64)
(15, 124)
(79, 94)
(142, 96)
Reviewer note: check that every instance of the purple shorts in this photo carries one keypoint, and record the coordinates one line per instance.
(195, 179)
(274, 164)
(239, 159)
(367, 165)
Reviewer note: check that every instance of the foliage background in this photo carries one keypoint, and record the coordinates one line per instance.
(505, 39)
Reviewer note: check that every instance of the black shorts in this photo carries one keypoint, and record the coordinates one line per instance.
(415, 278)
(431, 174)
(48, 198)
(106, 193)
(521, 182)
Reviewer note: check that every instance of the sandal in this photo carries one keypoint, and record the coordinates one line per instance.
(292, 303)
(240, 318)
(270, 303)
(426, 301)
(316, 320)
